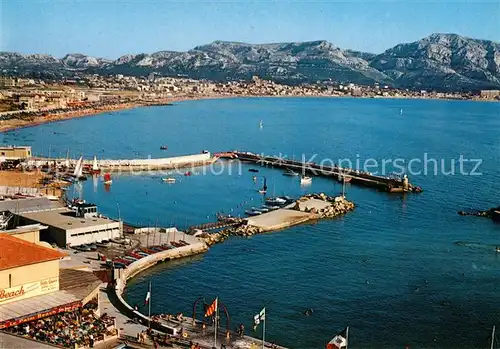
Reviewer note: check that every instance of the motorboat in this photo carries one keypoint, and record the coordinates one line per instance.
(168, 180)
(188, 173)
(305, 180)
(290, 173)
(163, 147)
(264, 209)
(253, 170)
(275, 201)
(253, 213)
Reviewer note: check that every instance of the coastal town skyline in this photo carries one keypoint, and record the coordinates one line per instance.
(116, 28)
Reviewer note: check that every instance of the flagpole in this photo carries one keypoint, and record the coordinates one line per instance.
(264, 329)
(149, 305)
(215, 321)
(347, 337)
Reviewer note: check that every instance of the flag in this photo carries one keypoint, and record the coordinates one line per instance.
(259, 317)
(212, 308)
(148, 297)
(339, 341)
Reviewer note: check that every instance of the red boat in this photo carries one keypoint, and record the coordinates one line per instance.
(107, 178)
(188, 173)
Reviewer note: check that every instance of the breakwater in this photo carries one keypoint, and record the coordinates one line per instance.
(391, 185)
(307, 208)
(128, 165)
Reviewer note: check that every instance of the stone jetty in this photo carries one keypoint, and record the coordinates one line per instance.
(307, 208)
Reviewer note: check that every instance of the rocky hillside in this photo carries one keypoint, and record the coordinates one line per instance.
(440, 61)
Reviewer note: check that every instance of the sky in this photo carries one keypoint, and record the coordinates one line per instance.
(111, 28)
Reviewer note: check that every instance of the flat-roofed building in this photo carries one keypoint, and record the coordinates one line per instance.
(68, 227)
(13, 152)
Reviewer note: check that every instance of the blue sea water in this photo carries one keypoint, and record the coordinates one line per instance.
(400, 269)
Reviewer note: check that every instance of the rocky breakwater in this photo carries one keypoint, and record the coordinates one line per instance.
(307, 208)
(333, 207)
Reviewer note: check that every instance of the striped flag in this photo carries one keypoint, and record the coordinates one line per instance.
(212, 308)
(260, 317)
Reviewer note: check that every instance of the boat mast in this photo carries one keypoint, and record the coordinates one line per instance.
(492, 337)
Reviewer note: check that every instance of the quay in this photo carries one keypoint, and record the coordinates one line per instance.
(391, 185)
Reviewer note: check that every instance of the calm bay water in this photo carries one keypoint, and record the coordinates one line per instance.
(398, 270)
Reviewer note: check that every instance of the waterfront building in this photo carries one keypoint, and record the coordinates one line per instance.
(73, 227)
(14, 152)
(33, 287)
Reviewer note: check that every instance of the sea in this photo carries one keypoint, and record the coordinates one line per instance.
(398, 270)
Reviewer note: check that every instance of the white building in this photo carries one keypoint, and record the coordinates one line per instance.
(74, 227)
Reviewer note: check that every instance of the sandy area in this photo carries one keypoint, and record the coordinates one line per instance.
(21, 179)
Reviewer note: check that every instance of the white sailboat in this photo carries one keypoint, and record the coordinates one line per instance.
(95, 166)
(261, 124)
(401, 111)
(78, 172)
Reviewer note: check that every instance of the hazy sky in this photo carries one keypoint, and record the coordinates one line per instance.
(110, 28)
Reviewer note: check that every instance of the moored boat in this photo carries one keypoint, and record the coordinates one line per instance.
(168, 180)
(305, 180)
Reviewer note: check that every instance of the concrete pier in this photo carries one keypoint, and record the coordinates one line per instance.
(391, 185)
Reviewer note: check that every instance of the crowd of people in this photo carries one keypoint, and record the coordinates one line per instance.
(78, 328)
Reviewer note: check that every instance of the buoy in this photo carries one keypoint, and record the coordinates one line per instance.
(185, 335)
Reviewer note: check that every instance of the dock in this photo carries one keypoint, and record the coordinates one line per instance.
(388, 184)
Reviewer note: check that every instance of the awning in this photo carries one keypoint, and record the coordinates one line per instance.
(30, 309)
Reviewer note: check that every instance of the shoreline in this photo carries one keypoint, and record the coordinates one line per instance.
(15, 124)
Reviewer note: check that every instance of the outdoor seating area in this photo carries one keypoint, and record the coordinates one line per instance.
(76, 329)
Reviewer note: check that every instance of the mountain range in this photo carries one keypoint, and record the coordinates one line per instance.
(447, 62)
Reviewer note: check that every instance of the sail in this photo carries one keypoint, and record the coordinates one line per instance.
(94, 164)
(107, 177)
(79, 167)
(265, 184)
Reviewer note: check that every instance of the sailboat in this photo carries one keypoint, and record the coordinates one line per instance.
(78, 172)
(107, 179)
(400, 111)
(261, 124)
(264, 187)
(95, 168)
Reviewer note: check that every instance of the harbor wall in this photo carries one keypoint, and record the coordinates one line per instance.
(195, 246)
(138, 164)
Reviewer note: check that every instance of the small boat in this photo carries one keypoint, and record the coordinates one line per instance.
(78, 172)
(291, 173)
(261, 124)
(163, 147)
(188, 173)
(168, 180)
(264, 209)
(253, 213)
(107, 179)
(264, 187)
(305, 180)
(275, 201)
(253, 170)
